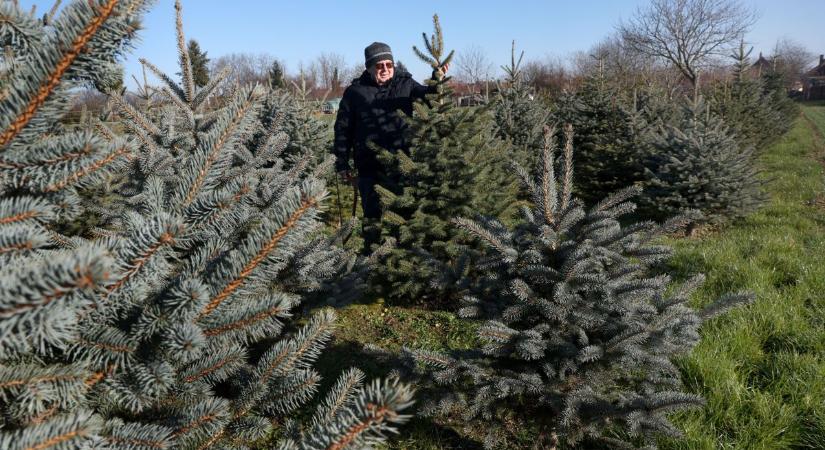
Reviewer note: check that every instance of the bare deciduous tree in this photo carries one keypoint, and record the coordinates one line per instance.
(793, 59)
(549, 76)
(355, 70)
(329, 68)
(246, 67)
(687, 33)
(472, 65)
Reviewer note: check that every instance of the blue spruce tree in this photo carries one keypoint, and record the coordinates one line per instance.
(606, 158)
(168, 328)
(696, 163)
(520, 114)
(579, 332)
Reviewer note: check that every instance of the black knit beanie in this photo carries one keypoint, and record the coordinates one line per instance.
(377, 51)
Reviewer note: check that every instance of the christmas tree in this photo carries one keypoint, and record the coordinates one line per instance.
(579, 332)
(200, 64)
(776, 93)
(606, 158)
(697, 163)
(452, 154)
(275, 75)
(520, 115)
(169, 328)
(744, 105)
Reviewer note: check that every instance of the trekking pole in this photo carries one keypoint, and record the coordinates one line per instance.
(354, 197)
(340, 206)
(354, 206)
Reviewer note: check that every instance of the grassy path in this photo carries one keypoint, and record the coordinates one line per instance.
(761, 369)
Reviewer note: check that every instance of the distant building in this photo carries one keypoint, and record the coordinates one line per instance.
(472, 94)
(813, 83)
(331, 106)
(762, 65)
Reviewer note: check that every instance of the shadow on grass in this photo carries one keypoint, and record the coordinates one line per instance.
(341, 355)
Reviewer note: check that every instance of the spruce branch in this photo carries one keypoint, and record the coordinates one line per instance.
(262, 254)
(247, 101)
(103, 130)
(163, 77)
(61, 431)
(187, 111)
(205, 93)
(216, 365)
(435, 49)
(549, 192)
(22, 209)
(60, 68)
(160, 235)
(339, 397)
(375, 411)
(488, 237)
(123, 151)
(567, 174)
(138, 118)
(247, 321)
(183, 55)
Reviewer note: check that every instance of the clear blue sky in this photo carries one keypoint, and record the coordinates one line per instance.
(295, 31)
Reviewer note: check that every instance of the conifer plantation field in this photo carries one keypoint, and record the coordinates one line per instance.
(761, 369)
(628, 255)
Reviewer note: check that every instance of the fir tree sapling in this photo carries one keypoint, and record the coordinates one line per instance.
(697, 164)
(774, 87)
(579, 334)
(606, 158)
(745, 105)
(520, 115)
(170, 329)
(453, 167)
(200, 63)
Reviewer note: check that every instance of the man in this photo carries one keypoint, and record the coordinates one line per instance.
(367, 116)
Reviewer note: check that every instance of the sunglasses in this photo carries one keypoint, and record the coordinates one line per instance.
(386, 65)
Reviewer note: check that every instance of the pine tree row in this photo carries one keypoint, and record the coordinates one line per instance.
(151, 275)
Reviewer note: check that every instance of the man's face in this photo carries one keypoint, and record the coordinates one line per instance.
(383, 71)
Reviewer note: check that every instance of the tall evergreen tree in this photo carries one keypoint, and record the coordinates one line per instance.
(697, 163)
(579, 333)
(200, 63)
(520, 115)
(606, 157)
(743, 105)
(452, 154)
(168, 330)
(776, 93)
(275, 76)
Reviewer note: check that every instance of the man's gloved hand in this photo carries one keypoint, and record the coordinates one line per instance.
(347, 176)
(440, 72)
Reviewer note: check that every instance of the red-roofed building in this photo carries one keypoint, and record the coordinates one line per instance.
(813, 83)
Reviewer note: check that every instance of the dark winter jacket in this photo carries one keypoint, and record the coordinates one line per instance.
(367, 113)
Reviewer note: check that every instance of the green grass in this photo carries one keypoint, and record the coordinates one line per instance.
(760, 368)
